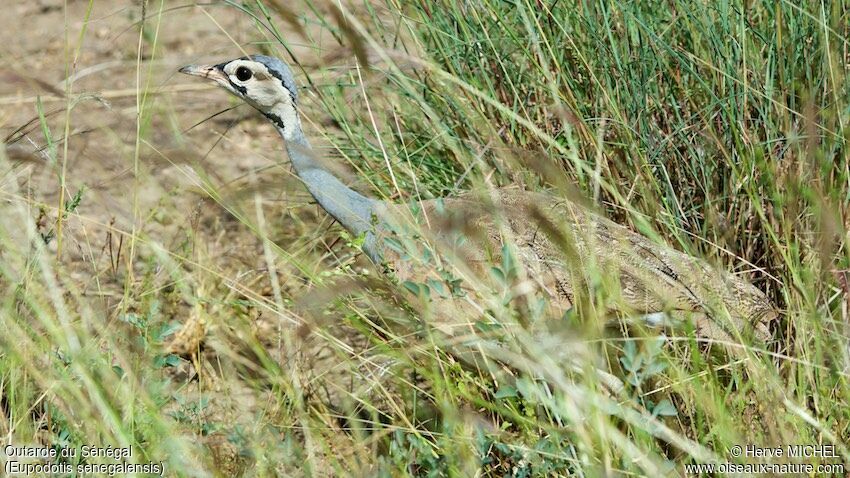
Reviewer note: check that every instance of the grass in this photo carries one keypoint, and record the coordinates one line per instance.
(717, 127)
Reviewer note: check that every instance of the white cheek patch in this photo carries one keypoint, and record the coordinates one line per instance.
(264, 93)
(267, 93)
(271, 94)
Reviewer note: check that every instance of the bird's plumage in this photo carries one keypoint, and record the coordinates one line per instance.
(561, 243)
(279, 70)
(564, 246)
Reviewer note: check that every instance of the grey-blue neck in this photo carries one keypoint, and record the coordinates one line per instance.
(357, 213)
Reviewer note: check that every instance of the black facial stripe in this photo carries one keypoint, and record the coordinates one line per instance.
(280, 78)
(275, 74)
(239, 88)
(275, 119)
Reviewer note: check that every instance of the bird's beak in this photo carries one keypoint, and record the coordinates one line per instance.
(210, 72)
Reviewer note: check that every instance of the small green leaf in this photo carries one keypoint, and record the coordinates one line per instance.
(665, 408)
(630, 349)
(166, 330)
(438, 287)
(654, 368)
(526, 388)
(508, 262)
(486, 327)
(412, 287)
(394, 244)
(169, 360)
(133, 319)
(427, 256)
(506, 392)
(74, 203)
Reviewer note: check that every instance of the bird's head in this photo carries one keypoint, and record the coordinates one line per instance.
(264, 82)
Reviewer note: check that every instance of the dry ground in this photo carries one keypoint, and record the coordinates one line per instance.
(159, 196)
(145, 209)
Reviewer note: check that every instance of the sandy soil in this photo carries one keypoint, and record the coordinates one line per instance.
(153, 188)
(143, 200)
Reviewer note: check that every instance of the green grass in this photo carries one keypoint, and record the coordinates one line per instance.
(717, 127)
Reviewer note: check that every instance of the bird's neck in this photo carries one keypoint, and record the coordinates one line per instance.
(355, 212)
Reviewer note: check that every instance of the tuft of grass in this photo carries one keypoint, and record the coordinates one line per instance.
(718, 127)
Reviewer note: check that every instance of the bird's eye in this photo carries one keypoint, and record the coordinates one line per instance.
(243, 74)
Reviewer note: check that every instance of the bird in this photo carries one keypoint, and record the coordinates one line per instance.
(562, 242)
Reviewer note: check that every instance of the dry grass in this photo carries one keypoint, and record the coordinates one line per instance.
(167, 284)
